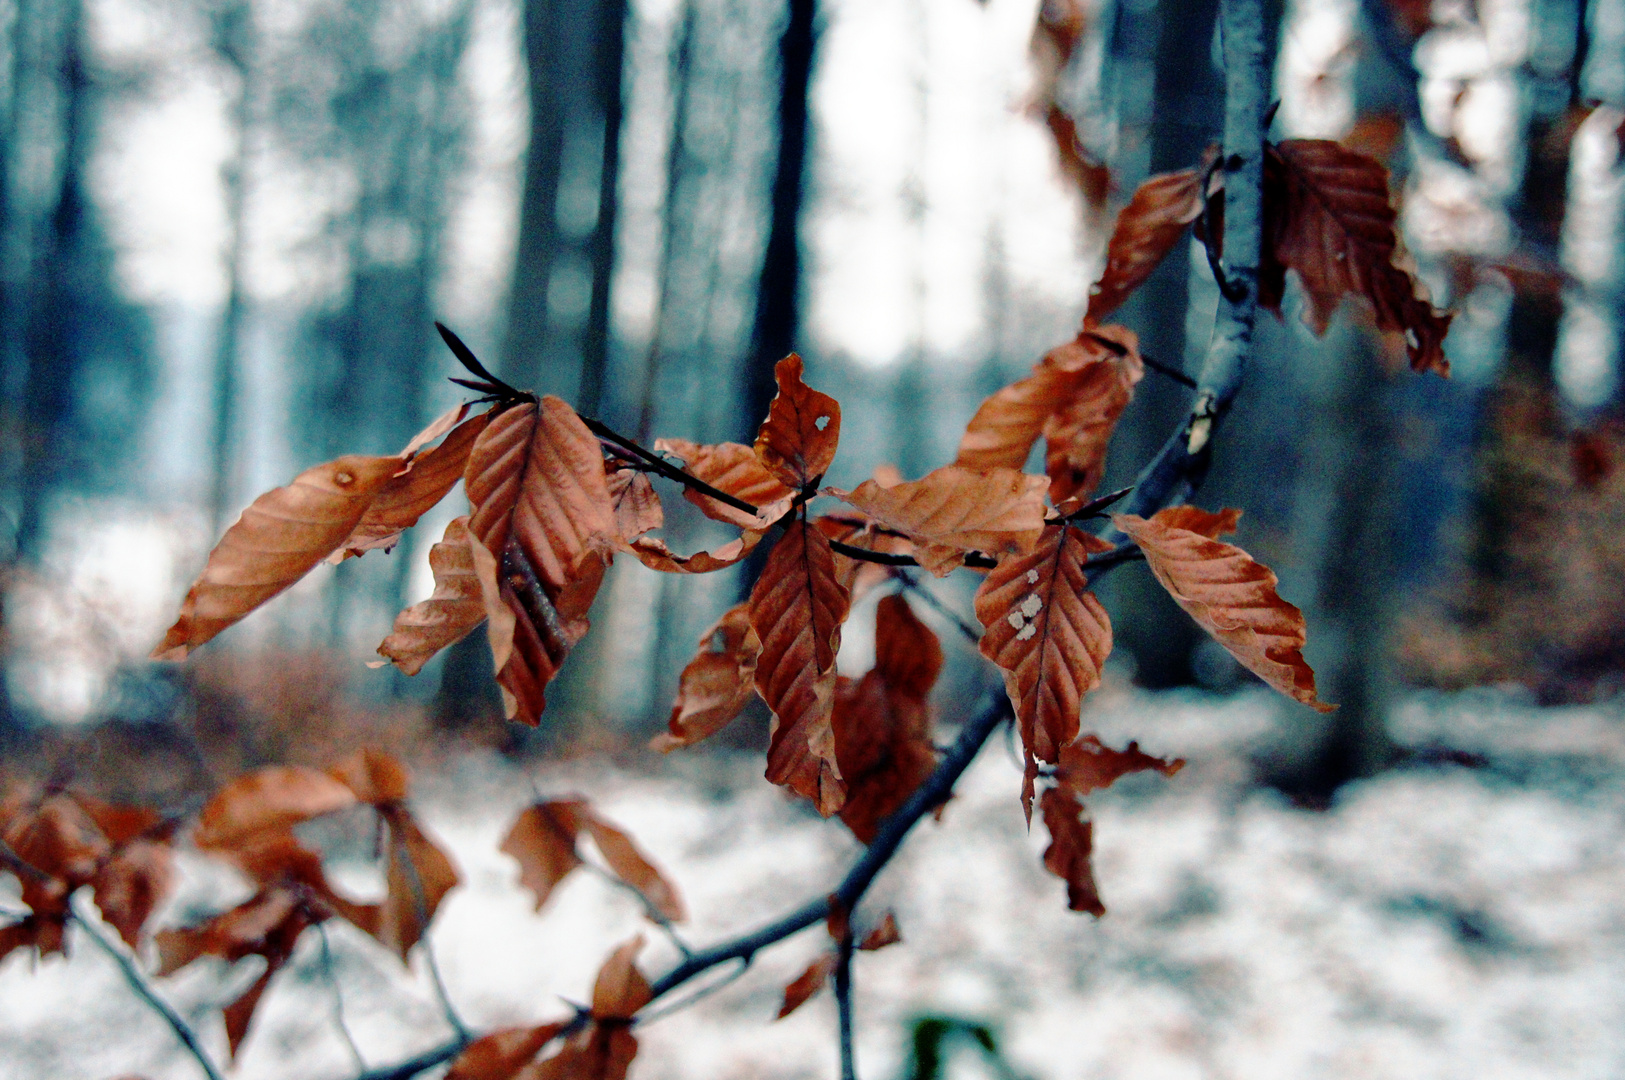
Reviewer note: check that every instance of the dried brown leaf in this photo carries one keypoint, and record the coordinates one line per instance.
(1078, 163)
(734, 468)
(1090, 765)
(376, 777)
(629, 864)
(887, 933)
(1147, 230)
(268, 800)
(502, 1054)
(278, 540)
(59, 839)
(1328, 216)
(1230, 596)
(1047, 633)
(456, 606)
(805, 985)
(1067, 857)
(716, 685)
(908, 654)
(656, 555)
(796, 608)
(637, 507)
(540, 507)
(428, 476)
(1078, 433)
(620, 989)
(993, 510)
(543, 840)
(798, 439)
(131, 884)
(420, 875)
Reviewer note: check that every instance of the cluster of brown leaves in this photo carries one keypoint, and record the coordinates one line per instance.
(58, 842)
(249, 823)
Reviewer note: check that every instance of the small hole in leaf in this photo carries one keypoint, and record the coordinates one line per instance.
(821, 423)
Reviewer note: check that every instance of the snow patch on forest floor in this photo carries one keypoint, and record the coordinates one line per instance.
(1439, 922)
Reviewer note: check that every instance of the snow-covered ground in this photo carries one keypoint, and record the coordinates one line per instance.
(1435, 923)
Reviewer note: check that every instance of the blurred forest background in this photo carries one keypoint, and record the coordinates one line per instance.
(226, 227)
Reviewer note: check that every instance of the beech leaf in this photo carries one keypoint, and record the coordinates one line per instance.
(797, 440)
(1090, 765)
(1048, 635)
(1068, 854)
(796, 608)
(1079, 432)
(887, 933)
(130, 885)
(1328, 216)
(268, 800)
(736, 469)
(1229, 595)
(278, 540)
(656, 555)
(543, 841)
(717, 684)
(419, 877)
(994, 510)
(637, 507)
(502, 1054)
(629, 864)
(428, 476)
(1146, 231)
(456, 606)
(805, 985)
(604, 1049)
(540, 507)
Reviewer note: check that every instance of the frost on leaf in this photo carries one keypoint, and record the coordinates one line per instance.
(456, 606)
(279, 539)
(882, 723)
(540, 508)
(1230, 596)
(996, 510)
(1048, 635)
(796, 608)
(1147, 230)
(736, 469)
(797, 440)
(717, 684)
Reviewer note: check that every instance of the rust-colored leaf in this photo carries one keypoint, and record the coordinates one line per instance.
(1047, 633)
(887, 933)
(796, 608)
(59, 839)
(1078, 433)
(502, 1054)
(805, 985)
(540, 508)
(716, 684)
(604, 1049)
(278, 540)
(656, 555)
(455, 607)
(637, 507)
(798, 439)
(131, 884)
(121, 824)
(858, 576)
(267, 800)
(620, 989)
(420, 875)
(1083, 168)
(374, 776)
(736, 469)
(1230, 596)
(1328, 216)
(1002, 433)
(1147, 230)
(1090, 765)
(428, 476)
(543, 840)
(882, 726)
(630, 864)
(1067, 857)
(993, 510)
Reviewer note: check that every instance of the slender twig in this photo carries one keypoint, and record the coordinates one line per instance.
(665, 468)
(696, 997)
(1093, 507)
(972, 634)
(843, 1003)
(1169, 370)
(143, 989)
(338, 1000)
(420, 903)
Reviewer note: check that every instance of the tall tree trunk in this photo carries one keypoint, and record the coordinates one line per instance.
(778, 294)
(609, 52)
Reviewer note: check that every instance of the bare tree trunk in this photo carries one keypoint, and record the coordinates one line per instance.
(609, 53)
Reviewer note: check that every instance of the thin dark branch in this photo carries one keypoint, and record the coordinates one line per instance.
(338, 1000)
(843, 1003)
(1094, 506)
(972, 634)
(1169, 370)
(138, 982)
(698, 995)
(666, 468)
(886, 558)
(465, 356)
